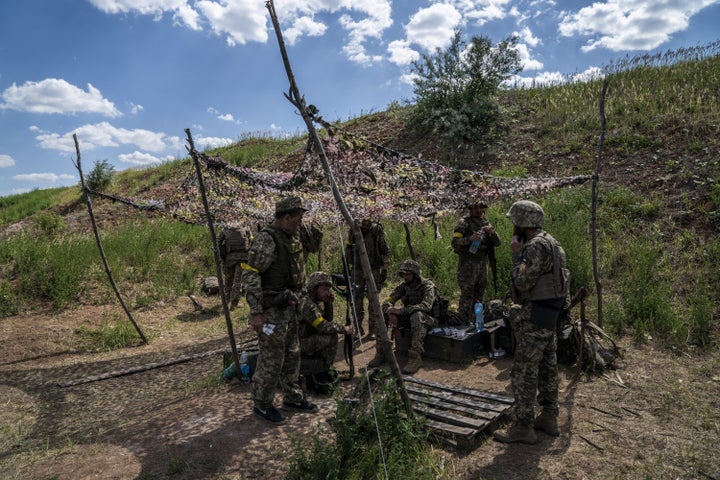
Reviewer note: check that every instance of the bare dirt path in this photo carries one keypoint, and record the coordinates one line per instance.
(660, 418)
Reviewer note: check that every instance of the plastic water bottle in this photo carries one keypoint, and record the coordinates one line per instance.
(244, 368)
(229, 372)
(479, 317)
(475, 245)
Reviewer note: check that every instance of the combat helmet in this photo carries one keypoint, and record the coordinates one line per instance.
(526, 214)
(409, 266)
(318, 278)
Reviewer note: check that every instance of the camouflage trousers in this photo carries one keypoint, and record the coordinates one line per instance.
(534, 371)
(278, 362)
(360, 295)
(320, 345)
(418, 323)
(233, 286)
(472, 279)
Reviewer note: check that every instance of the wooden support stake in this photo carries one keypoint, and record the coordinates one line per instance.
(86, 195)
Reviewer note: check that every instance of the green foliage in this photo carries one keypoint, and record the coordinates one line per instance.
(111, 336)
(50, 223)
(101, 176)
(455, 89)
(354, 452)
(17, 207)
(8, 302)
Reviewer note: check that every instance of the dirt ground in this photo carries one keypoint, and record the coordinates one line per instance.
(657, 416)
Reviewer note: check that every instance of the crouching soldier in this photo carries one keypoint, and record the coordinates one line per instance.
(417, 295)
(318, 332)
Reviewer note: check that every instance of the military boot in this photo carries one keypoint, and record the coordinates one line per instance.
(547, 423)
(516, 433)
(379, 357)
(414, 362)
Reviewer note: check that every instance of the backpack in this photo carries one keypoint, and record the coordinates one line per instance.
(439, 309)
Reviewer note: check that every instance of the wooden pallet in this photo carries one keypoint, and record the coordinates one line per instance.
(456, 415)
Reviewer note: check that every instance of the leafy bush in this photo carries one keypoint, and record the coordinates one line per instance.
(101, 176)
(455, 89)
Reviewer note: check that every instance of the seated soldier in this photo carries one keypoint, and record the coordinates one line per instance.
(417, 295)
(318, 333)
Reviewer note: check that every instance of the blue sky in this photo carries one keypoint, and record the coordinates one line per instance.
(128, 76)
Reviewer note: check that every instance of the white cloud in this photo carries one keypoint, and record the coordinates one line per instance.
(620, 25)
(433, 27)
(6, 161)
(401, 53)
(304, 26)
(139, 158)
(42, 177)
(526, 59)
(527, 37)
(241, 20)
(482, 11)
(203, 143)
(179, 8)
(555, 78)
(103, 135)
(227, 118)
(135, 109)
(54, 95)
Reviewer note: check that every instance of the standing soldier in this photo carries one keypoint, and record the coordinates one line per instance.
(318, 331)
(473, 258)
(274, 277)
(233, 244)
(379, 256)
(417, 295)
(540, 287)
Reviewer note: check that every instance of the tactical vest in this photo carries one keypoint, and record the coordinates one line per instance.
(556, 282)
(413, 295)
(287, 272)
(372, 238)
(235, 244)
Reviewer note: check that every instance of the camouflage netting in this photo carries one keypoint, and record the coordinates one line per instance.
(374, 181)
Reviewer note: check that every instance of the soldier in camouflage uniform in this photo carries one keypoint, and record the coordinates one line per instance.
(417, 295)
(379, 256)
(472, 274)
(318, 331)
(233, 242)
(540, 288)
(274, 276)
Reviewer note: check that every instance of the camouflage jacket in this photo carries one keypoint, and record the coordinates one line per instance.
(415, 297)
(312, 319)
(233, 244)
(376, 245)
(461, 238)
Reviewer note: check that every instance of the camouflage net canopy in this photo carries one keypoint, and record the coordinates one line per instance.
(375, 182)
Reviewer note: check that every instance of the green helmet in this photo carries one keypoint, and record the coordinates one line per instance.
(526, 214)
(410, 266)
(318, 278)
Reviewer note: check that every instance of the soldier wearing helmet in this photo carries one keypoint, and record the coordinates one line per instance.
(540, 289)
(378, 252)
(318, 331)
(417, 295)
(473, 239)
(273, 277)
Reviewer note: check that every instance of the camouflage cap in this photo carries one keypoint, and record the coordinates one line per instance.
(409, 266)
(478, 204)
(526, 214)
(318, 278)
(287, 204)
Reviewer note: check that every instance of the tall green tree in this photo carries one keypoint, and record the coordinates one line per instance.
(456, 89)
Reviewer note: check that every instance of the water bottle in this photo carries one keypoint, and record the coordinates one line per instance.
(475, 245)
(229, 372)
(479, 318)
(244, 368)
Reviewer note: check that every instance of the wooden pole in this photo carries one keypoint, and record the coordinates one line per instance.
(593, 214)
(296, 99)
(88, 201)
(216, 251)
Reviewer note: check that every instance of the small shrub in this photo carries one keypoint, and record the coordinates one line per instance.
(8, 302)
(101, 176)
(109, 337)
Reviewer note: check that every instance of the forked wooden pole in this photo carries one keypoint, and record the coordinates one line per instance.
(78, 165)
(307, 113)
